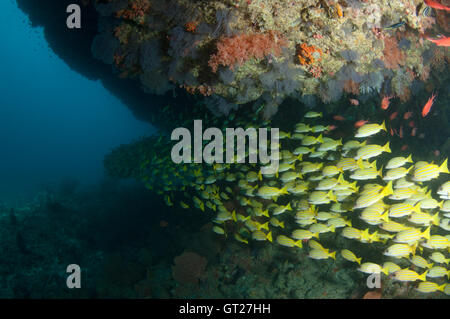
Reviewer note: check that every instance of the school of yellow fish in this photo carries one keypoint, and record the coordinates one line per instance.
(322, 186)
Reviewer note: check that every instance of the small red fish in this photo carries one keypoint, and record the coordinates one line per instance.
(411, 124)
(400, 131)
(385, 102)
(354, 101)
(404, 147)
(331, 127)
(392, 132)
(441, 42)
(393, 116)
(360, 123)
(414, 131)
(437, 152)
(436, 5)
(338, 118)
(427, 107)
(407, 115)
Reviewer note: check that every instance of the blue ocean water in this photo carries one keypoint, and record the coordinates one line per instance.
(54, 123)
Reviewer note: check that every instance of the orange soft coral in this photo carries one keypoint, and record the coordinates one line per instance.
(305, 54)
(237, 49)
(393, 56)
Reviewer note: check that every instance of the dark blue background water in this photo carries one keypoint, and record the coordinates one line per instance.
(53, 122)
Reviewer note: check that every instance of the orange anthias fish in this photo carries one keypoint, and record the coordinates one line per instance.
(427, 107)
(385, 102)
(442, 42)
(393, 116)
(354, 102)
(339, 118)
(407, 115)
(360, 123)
(436, 5)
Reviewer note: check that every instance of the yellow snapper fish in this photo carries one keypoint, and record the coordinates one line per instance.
(311, 140)
(396, 173)
(437, 242)
(352, 145)
(329, 145)
(347, 164)
(268, 192)
(370, 198)
(439, 257)
(321, 228)
(391, 267)
(290, 176)
(303, 150)
(261, 236)
(372, 268)
(364, 174)
(428, 172)
(275, 222)
(372, 150)
(225, 216)
(302, 234)
(218, 230)
(409, 275)
(370, 129)
(288, 242)
(446, 207)
(328, 183)
(279, 209)
(420, 262)
(338, 222)
(424, 219)
(302, 128)
(308, 167)
(239, 238)
(444, 189)
(401, 210)
(399, 250)
(429, 287)
(438, 272)
(330, 170)
(351, 233)
(411, 235)
(316, 245)
(398, 162)
(319, 128)
(321, 254)
(312, 114)
(350, 256)
(403, 183)
(324, 216)
(374, 216)
(320, 197)
(430, 203)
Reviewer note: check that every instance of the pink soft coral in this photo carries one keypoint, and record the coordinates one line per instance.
(240, 48)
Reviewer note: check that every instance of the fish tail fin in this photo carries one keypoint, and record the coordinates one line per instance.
(321, 114)
(388, 189)
(320, 139)
(436, 219)
(423, 276)
(409, 159)
(282, 224)
(300, 157)
(386, 148)
(298, 243)
(284, 190)
(333, 255)
(269, 236)
(385, 271)
(380, 171)
(358, 260)
(426, 233)
(260, 175)
(416, 208)
(444, 168)
(383, 126)
(288, 206)
(233, 215)
(441, 287)
(363, 143)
